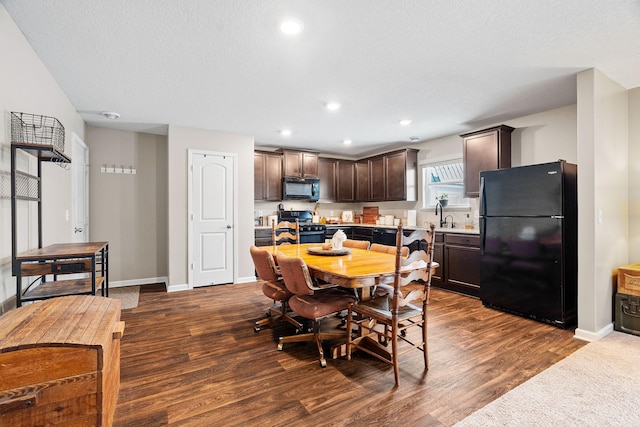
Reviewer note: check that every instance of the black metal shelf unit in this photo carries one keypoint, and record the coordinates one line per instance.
(43, 138)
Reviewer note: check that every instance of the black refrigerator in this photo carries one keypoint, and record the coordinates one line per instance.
(529, 241)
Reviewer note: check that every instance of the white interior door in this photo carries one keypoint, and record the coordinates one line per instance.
(212, 207)
(80, 189)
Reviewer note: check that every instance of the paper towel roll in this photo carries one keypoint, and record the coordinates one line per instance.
(411, 218)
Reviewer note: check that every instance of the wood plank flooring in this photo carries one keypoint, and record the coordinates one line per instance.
(192, 359)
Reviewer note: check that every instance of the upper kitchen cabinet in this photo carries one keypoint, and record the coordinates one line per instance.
(302, 164)
(376, 179)
(337, 180)
(387, 177)
(346, 178)
(267, 176)
(362, 180)
(401, 175)
(483, 150)
(327, 173)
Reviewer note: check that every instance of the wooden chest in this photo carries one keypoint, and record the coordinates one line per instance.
(60, 362)
(629, 279)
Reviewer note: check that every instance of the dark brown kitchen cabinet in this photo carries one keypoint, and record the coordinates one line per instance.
(391, 177)
(462, 264)
(345, 181)
(376, 179)
(484, 150)
(327, 172)
(362, 180)
(438, 256)
(302, 164)
(262, 236)
(267, 176)
(400, 175)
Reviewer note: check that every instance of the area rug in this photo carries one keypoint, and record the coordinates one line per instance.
(127, 295)
(598, 385)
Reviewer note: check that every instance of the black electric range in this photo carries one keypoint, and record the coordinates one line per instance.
(309, 232)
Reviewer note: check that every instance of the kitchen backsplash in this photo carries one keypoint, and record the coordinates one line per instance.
(397, 209)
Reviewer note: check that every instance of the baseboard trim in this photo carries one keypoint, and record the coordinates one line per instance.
(135, 282)
(248, 279)
(177, 288)
(589, 336)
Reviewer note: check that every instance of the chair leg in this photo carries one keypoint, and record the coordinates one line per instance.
(349, 333)
(275, 314)
(272, 315)
(394, 351)
(425, 345)
(315, 336)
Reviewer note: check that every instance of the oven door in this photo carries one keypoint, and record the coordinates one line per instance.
(312, 236)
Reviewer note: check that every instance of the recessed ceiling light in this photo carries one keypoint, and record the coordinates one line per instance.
(405, 122)
(347, 141)
(291, 26)
(112, 115)
(332, 106)
(285, 132)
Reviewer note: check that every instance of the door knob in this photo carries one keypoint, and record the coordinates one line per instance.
(77, 230)
(228, 225)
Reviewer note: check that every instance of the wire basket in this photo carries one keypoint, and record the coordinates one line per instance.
(35, 129)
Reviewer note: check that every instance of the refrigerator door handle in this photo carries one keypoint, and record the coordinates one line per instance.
(482, 234)
(481, 204)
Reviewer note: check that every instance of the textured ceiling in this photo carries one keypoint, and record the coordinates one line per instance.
(449, 65)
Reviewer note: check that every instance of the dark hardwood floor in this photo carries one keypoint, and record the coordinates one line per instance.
(192, 359)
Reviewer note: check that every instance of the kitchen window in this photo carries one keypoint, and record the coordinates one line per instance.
(444, 177)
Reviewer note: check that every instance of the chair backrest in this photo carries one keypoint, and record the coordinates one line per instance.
(283, 230)
(264, 263)
(295, 275)
(377, 247)
(418, 257)
(358, 244)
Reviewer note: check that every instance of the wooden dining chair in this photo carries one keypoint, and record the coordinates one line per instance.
(273, 287)
(281, 233)
(313, 302)
(388, 318)
(358, 244)
(377, 247)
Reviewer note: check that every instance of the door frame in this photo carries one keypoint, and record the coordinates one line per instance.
(76, 140)
(190, 237)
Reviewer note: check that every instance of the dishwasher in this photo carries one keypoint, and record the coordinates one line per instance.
(385, 236)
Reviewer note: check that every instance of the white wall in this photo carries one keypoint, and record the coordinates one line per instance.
(27, 86)
(603, 150)
(130, 211)
(180, 140)
(538, 138)
(634, 175)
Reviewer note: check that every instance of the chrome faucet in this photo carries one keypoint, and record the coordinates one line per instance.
(442, 223)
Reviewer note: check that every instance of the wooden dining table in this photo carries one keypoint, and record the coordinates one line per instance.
(361, 269)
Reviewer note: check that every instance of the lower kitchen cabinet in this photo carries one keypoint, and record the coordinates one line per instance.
(461, 267)
(263, 236)
(438, 256)
(360, 233)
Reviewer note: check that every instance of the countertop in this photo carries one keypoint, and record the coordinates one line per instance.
(440, 230)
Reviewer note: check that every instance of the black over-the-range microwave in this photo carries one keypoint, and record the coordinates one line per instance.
(301, 189)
